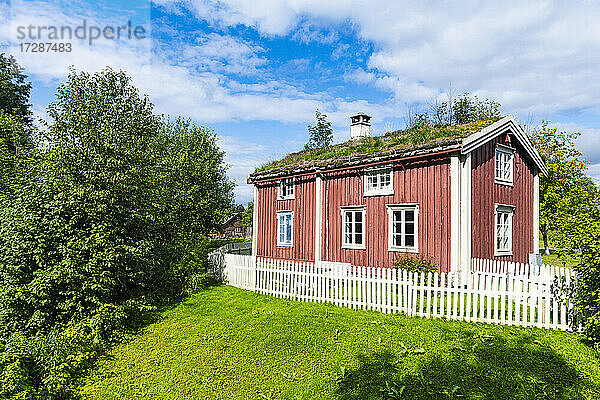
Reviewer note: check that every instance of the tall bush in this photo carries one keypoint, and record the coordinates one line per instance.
(96, 228)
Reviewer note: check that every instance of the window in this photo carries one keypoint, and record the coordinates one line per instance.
(504, 164)
(285, 225)
(403, 227)
(379, 182)
(353, 227)
(286, 189)
(503, 230)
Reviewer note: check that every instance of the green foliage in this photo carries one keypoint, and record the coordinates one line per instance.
(14, 147)
(320, 134)
(100, 226)
(467, 109)
(462, 110)
(227, 343)
(581, 231)
(416, 264)
(570, 212)
(398, 141)
(14, 90)
(567, 190)
(247, 215)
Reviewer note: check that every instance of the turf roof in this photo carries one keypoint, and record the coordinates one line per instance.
(418, 139)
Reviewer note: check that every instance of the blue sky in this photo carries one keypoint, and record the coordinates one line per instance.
(255, 71)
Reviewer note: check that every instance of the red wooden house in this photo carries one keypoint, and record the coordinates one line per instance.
(449, 194)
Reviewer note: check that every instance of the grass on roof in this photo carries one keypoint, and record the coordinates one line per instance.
(397, 140)
(226, 343)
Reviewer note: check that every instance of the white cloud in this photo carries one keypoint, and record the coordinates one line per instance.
(218, 53)
(537, 56)
(588, 143)
(594, 173)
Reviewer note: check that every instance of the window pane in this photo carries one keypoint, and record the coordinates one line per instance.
(358, 216)
(410, 240)
(409, 215)
(358, 238)
(397, 240)
(410, 228)
(348, 228)
(358, 228)
(348, 217)
(397, 216)
(398, 227)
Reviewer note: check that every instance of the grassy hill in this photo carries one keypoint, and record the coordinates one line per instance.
(225, 343)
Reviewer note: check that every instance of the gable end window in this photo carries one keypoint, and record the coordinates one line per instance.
(353, 227)
(285, 190)
(504, 165)
(403, 224)
(379, 181)
(285, 228)
(503, 230)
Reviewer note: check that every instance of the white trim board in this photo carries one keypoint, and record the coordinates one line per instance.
(477, 139)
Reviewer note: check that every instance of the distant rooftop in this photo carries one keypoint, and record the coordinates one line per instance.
(397, 144)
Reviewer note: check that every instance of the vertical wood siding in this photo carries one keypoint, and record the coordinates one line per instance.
(486, 193)
(303, 206)
(425, 183)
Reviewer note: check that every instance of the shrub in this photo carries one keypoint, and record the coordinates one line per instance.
(416, 264)
(99, 228)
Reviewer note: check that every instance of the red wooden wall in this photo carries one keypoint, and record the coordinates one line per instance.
(486, 193)
(303, 207)
(425, 183)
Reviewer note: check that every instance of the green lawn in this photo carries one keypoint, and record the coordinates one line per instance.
(226, 343)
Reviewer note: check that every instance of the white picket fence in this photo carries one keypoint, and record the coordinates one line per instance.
(497, 296)
(497, 267)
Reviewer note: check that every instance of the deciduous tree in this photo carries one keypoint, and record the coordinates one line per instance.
(320, 134)
(567, 189)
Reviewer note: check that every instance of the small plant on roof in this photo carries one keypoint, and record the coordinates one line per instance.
(320, 134)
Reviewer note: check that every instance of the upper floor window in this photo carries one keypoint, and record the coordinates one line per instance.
(503, 230)
(379, 182)
(353, 227)
(285, 228)
(285, 190)
(504, 164)
(403, 223)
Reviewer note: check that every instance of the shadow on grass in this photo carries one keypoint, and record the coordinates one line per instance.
(487, 369)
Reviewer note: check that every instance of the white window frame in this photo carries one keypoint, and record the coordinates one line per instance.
(283, 183)
(378, 172)
(509, 211)
(283, 214)
(354, 209)
(504, 151)
(391, 208)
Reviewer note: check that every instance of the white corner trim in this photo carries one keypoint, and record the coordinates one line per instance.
(455, 238)
(536, 212)
(318, 214)
(255, 223)
(475, 140)
(465, 216)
